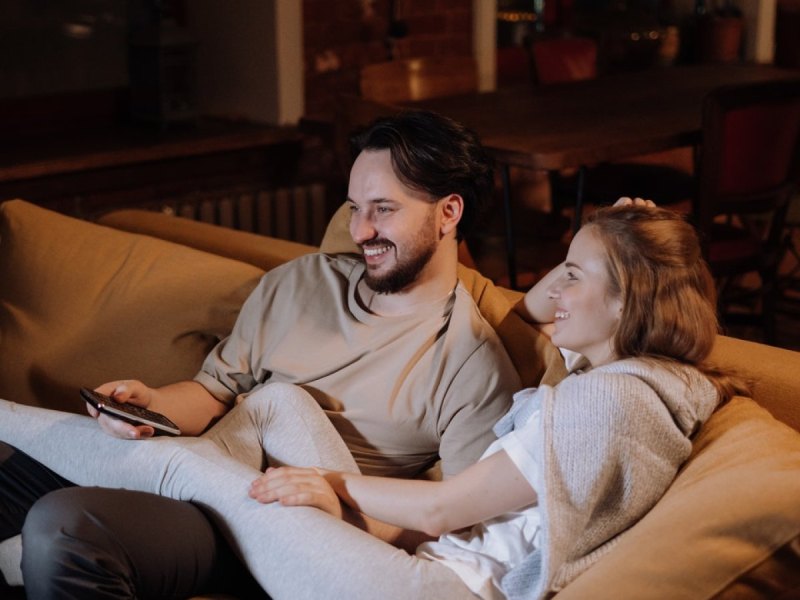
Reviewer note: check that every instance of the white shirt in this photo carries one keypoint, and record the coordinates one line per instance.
(482, 555)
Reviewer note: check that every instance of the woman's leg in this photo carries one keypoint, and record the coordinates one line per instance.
(278, 422)
(301, 552)
(282, 546)
(281, 424)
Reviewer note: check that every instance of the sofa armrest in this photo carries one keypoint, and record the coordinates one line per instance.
(262, 251)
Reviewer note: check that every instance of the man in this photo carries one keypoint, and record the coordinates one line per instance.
(388, 343)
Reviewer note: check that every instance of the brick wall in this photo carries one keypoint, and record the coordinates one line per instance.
(341, 36)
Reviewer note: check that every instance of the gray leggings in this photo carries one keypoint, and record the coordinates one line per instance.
(293, 552)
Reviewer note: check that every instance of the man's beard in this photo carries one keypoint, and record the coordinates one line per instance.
(405, 272)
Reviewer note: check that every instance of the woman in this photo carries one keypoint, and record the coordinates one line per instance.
(574, 467)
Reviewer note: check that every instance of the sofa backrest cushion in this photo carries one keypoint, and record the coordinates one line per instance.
(82, 304)
(534, 357)
(730, 519)
(259, 250)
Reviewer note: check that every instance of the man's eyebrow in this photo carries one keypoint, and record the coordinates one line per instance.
(373, 201)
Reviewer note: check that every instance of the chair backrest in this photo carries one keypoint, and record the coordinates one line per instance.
(418, 78)
(562, 59)
(748, 151)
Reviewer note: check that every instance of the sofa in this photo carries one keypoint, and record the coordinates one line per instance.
(145, 295)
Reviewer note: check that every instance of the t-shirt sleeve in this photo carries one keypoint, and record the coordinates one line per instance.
(227, 370)
(478, 396)
(519, 445)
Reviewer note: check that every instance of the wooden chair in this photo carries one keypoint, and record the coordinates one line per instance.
(418, 78)
(562, 59)
(746, 161)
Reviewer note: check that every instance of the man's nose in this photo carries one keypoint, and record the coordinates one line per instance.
(361, 228)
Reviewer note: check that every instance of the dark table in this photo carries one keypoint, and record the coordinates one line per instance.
(587, 122)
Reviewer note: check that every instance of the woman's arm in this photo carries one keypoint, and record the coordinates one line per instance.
(490, 487)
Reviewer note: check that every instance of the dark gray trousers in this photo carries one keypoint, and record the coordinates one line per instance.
(101, 544)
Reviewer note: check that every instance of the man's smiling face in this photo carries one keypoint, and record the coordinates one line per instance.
(395, 226)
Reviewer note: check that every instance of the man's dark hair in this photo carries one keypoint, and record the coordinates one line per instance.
(435, 155)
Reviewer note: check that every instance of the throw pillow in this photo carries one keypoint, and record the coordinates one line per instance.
(82, 304)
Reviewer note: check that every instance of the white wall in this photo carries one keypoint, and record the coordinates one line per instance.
(759, 33)
(290, 63)
(484, 42)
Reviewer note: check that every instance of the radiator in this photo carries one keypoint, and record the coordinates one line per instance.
(299, 213)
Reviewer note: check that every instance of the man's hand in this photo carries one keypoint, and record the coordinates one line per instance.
(131, 391)
(296, 486)
(626, 201)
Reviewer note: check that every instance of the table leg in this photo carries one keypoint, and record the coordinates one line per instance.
(511, 252)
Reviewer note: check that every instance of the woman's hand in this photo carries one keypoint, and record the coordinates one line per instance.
(131, 391)
(626, 201)
(296, 486)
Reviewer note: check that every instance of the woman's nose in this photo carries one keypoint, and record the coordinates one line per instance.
(554, 291)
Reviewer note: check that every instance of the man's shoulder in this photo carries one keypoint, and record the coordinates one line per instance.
(466, 311)
(470, 326)
(312, 266)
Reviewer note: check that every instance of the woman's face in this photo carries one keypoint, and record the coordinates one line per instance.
(586, 315)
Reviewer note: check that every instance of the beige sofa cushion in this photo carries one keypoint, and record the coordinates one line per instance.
(732, 514)
(81, 304)
(259, 250)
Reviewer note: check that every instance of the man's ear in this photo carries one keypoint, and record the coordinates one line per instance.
(451, 209)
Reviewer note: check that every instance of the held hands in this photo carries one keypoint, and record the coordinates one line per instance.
(129, 390)
(296, 486)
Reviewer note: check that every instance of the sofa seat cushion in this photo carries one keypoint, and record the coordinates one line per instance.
(731, 515)
(82, 304)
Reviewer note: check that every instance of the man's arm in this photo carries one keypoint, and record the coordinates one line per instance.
(477, 397)
(187, 404)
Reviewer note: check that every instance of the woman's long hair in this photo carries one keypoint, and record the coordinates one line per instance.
(656, 268)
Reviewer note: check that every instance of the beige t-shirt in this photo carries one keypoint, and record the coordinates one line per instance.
(402, 391)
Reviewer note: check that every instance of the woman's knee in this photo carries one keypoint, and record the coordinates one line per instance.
(279, 400)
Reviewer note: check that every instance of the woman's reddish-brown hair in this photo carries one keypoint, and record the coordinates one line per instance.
(656, 268)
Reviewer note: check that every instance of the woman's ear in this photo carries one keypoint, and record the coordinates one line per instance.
(451, 210)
